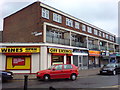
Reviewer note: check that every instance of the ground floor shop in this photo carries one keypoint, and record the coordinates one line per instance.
(94, 59)
(80, 58)
(32, 59)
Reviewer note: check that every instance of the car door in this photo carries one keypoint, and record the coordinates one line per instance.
(118, 68)
(57, 72)
(67, 70)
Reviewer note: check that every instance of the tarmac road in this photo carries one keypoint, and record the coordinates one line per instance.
(93, 81)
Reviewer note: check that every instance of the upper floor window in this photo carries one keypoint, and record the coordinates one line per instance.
(89, 29)
(57, 18)
(45, 13)
(95, 32)
(69, 22)
(100, 33)
(103, 34)
(106, 36)
(77, 25)
(83, 28)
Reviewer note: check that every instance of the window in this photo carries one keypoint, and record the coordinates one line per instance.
(77, 25)
(45, 13)
(69, 22)
(67, 66)
(103, 34)
(106, 36)
(89, 29)
(100, 33)
(95, 32)
(57, 18)
(58, 67)
(83, 28)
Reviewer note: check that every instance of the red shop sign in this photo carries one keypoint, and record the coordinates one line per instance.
(18, 62)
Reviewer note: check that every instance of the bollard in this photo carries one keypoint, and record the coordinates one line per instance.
(25, 82)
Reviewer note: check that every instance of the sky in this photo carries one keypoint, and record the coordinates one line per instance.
(101, 13)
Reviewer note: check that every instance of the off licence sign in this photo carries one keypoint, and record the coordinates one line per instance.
(20, 50)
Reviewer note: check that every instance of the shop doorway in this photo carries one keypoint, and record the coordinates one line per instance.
(68, 60)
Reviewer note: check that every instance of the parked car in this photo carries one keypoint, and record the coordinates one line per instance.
(111, 68)
(58, 71)
(6, 75)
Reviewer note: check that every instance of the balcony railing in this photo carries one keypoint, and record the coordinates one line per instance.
(56, 40)
(79, 44)
(103, 48)
(93, 46)
(110, 48)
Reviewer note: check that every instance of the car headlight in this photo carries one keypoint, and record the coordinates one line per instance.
(38, 73)
(8, 73)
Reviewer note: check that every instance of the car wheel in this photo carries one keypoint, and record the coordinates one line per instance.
(114, 72)
(73, 77)
(46, 77)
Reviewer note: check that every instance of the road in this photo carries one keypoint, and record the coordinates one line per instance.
(95, 81)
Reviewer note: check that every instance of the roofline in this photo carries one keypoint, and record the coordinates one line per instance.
(72, 17)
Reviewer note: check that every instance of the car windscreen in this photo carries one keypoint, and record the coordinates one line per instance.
(51, 67)
(111, 65)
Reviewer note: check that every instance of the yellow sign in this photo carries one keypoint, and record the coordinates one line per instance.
(11, 66)
(55, 50)
(20, 50)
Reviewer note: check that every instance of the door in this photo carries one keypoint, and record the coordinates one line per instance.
(57, 72)
(68, 60)
(80, 62)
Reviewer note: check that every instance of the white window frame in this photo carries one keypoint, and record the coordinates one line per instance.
(69, 22)
(83, 27)
(103, 35)
(106, 36)
(95, 32)
(45, 13)
(89, 29)
(77, 25)
(100, 33)
(57, 18)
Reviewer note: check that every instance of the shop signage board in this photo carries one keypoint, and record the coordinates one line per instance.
(20, 50)
(94, 53)
(56, 50)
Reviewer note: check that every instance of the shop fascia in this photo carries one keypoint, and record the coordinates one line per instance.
(80, 52)
(20, 50)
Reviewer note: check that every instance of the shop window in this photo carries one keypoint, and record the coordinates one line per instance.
(67, 66)
(58, 67)
(57, 59)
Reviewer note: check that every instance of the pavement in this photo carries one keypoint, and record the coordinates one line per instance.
(82, 73)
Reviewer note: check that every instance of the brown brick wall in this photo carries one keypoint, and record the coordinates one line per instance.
(19, 26)
(1, 36)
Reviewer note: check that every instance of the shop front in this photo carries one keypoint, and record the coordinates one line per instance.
(60, 56)
(20, 59)
(80, 58)
(94, 59)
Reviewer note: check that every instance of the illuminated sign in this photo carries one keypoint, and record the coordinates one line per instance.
(55, 50)
(20, 50)
(94, 53)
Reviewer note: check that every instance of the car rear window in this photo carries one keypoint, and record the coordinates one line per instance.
(67, 66)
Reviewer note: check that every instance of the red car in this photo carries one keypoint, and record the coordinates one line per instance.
(58, 71)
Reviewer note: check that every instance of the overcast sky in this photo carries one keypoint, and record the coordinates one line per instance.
(101, 13)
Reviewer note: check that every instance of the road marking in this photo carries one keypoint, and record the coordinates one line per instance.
(114, 86)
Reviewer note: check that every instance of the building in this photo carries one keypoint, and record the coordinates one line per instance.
(1, 36)
(39, 36)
